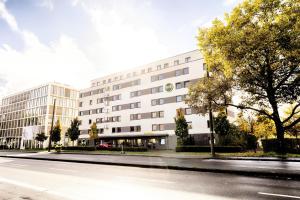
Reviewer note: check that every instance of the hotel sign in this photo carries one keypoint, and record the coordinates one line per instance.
(169, 87)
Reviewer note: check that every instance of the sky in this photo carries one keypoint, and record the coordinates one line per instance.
(75, 41)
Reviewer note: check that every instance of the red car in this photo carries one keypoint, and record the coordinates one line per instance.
(105, 146)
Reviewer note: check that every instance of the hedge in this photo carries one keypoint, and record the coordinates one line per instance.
(89, 148)
(220, 149)
(291, 145)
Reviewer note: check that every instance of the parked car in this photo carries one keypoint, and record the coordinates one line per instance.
(104, 146)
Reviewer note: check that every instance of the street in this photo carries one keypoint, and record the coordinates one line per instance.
(34, 179)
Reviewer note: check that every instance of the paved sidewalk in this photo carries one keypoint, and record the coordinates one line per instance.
(271, 169)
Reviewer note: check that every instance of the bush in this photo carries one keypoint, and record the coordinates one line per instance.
(291, 145)
(134, 149)
(220, 149)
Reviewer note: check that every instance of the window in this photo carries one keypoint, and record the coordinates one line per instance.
(178, 98)
(160, 77)
(185, 70)
(178, 85)
(208, 124)
(91, 102)
(154, 102)
(80, 104)
(178, 72)
(109, 80)
(137, 82)
(154, 78)
(161, 101)
(158, 67)
(176, 62)
(119, 130)
(154, 114)
(101, 130)
(186, 84)
(132, 117)
(116, 87)
(80, 113)
(99, 110)
(187, 59)
(113, 130)
(204, 66)
(90, 121)
(161, 127)
(161, 113)
(166, 65)
(139, 116)
(149, 69)
(154, 127)
(131, 128)
(188, 111)
(138, 104)
(132, 105)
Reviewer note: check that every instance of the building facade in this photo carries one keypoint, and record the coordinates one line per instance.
(27, 113)
(137, 107)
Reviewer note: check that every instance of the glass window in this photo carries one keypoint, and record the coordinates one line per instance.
(119, 130)
(204, 66)
(149, 69)
(178, 98)
(177, 72)
(186, 83)
(131, 128)
(161, 101)
(161, 127)
(185, 70)
(188, 111)
(139, 116)
(113, 130)
(176, 62)
(154, 114)
(91, 102)
(178, 85)
(154, 127)
(160, 89)
(132, 105)
(161, 113)
(153, 102)
(160, 77)
(187, 59)
(138, 104)
(166, 65)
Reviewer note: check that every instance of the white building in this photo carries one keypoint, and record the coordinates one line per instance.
(30, 112)
(138, 106)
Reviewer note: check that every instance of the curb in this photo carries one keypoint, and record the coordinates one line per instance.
(272, 175)
(254, 159)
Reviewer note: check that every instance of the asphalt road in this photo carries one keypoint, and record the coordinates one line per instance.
(37, 180)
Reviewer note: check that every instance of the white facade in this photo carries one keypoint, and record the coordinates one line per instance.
(122, 104)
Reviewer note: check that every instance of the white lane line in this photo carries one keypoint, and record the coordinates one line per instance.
(145, 180)
(22, 184)
(67, 170)
(279, 195)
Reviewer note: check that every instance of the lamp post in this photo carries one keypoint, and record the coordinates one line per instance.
(50, 135)
(211, 126)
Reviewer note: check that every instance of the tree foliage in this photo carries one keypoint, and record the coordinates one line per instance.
(256, 53)
(73, 131)
(55, 136)
(182, 127)
(93, 133)
(41, 137)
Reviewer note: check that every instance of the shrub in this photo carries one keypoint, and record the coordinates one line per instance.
(291, 145)
(220, 149)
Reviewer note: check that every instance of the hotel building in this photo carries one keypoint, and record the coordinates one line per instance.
(138, 106)
(24, 114)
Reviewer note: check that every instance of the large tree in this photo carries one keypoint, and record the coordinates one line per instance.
(41, 137)
(55, 136)
(73, 131)
(255, 53)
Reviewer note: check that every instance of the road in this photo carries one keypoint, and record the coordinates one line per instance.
(37, 180)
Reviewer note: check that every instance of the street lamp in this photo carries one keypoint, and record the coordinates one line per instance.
(50, 135)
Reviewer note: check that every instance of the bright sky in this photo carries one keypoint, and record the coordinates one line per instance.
(74, 41)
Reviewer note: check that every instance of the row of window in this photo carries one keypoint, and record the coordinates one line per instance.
(138, 116)
(108, 119)
(131, 106)
(143, 71)
(178, 72)
(128, 84)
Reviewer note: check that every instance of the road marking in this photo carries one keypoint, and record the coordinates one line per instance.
(67, 170)
(279, 195)
(145, 179)
(22, 184)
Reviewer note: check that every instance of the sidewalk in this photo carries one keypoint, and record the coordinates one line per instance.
(271, 168)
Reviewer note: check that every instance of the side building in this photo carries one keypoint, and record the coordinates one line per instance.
(137, 107)
(29, 112)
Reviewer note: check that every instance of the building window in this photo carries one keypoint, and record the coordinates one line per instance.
(187, 59)
(80, 104)
(101, 130)
(188, 111)
(178, 72)
(91, 102)
(176, 62)
(158, 67)
(161, 127)
(160, 77)
(109, 80)
(166, 65)
(185, 71)
(161, 113)
(178, 98)
(119, 130)
(178, 85)
(113, 130)
(208, 124)
(186, 84)
(161, 101)
(80, 113)
(154, 127)
(160, 89)
(204, 66)
(116, 87)
(132, 105)
(90, 121)
(149, 69)
(154, 114)
(131, 128)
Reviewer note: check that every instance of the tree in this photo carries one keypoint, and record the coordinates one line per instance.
(264, 127)
(55, 136)
(93, 133)
(295, 130)
(73, 131)
(182, 127)
(256, 53)
(221, 124)
(41, 137)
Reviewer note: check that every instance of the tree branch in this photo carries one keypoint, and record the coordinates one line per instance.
(292, 124)
(292, 114)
